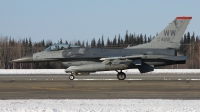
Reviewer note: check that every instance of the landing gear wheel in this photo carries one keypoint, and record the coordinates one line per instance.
(71, 77)
(121, 76)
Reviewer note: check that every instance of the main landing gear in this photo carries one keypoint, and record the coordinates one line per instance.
(121, 75)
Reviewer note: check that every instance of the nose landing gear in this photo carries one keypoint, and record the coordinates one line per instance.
(71, 77)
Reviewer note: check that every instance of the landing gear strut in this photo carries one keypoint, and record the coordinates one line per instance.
(121, 75)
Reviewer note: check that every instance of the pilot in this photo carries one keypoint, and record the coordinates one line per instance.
(56, 48)
(62, 48)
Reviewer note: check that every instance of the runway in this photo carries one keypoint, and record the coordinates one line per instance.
(100, 77)
(145, 86)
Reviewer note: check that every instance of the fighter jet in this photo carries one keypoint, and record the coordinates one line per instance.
(162, 50)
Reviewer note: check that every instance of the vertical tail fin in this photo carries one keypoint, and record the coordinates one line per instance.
(170, 37)
(174, 31)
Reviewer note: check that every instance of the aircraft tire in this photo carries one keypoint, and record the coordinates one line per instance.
(71, 77)
(121, 76)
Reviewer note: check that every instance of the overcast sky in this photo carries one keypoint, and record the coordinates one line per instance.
(87, 19)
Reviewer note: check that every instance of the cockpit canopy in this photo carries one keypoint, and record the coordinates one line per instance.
(57, 47)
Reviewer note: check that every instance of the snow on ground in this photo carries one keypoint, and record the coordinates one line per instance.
(96, 105)
(132, 71)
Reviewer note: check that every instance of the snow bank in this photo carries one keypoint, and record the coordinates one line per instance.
(115, 105)
(130, 71)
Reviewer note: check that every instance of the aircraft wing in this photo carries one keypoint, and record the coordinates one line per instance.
(135, 59)
(121, 58)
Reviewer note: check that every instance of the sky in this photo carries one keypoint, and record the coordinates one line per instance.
(74, 20)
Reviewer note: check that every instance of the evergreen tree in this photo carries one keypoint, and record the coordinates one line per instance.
(131, 39)
(66, 42)
(42, 43)
(134, 39)
(99, 43)
(93, 43)
(126, 38)
(145, 38)
(87, 45)
(119, 41)
(185, 39)
(197, 40)
(79, 43)
(30, 42)
(26, 42)
(114, 43)
(83, 43)
(188, 37)
(102, 41)
(108, 43)
(149, 38)
(30, 50)
(60, 41)
(10, 43)
(138, 40)
(141, 39)
(122, 42)
(193, 38)
(13, 41)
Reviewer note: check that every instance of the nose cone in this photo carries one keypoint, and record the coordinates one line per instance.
(25, 59)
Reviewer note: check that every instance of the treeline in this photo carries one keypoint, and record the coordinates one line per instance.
(11, 49)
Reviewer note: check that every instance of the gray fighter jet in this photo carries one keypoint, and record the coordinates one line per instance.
(162, 50)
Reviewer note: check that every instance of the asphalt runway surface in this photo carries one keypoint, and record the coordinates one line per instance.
(58, 86)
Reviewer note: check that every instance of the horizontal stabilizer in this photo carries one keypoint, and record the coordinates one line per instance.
(145, 68)
(175, 58)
